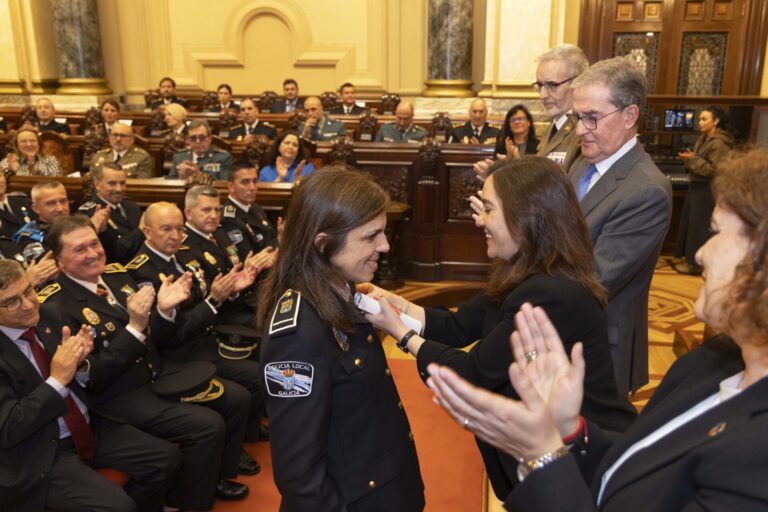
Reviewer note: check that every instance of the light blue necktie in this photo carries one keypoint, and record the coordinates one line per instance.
(585, 180)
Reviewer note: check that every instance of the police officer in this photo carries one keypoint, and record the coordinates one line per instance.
(15, 209)
(242, 218)
(403, 130)
(125, 362)
(116, 218)
(251, 126)
(49, 202)
(340, 439)
(200, 157)
(135, 161)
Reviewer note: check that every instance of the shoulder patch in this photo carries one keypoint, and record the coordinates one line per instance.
(114, 268)
(229, 211)
(137, 262)
(289, 379)
(286, 314)
(87, 206)
(46, 292)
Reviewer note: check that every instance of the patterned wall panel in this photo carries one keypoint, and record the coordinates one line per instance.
(701, 63)
(640, 48)
(392, 178)
(463, 183)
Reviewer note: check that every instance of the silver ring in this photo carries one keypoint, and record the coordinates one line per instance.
(531, 355)
(466, 423)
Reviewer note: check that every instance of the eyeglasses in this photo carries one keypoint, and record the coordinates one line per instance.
(197, 138)
(549, 86)
(518, 120)
(15, 303)
(590, 122)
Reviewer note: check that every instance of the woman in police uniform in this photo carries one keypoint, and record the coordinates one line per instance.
(339, 436)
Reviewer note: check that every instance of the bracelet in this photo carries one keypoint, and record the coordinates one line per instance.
(576, 433)
(403, 343)
(527, 466)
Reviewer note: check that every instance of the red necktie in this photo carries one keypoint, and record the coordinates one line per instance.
(82, 436)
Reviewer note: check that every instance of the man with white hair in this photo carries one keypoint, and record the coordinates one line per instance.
(45, 121)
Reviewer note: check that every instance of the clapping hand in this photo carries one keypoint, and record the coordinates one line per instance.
(262, 260)
(100, 218)
(173, 292)
(482, 168)
(42, 271)
(70, 353)
(139, 305)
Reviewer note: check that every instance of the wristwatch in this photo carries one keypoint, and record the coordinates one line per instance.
(403, 343)
(213, 302)
(527, 466)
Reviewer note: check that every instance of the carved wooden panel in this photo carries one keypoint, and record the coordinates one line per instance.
(694, 11)
(642, 49)
(625, 11)
(462, 183)
(652, 11)
(723, 11)
(702, 63)
(393, 178)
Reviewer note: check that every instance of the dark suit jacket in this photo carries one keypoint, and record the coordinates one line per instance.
(717, 461)
(464, 133)
(184, 103)
(249, 231)
(122, 238)
(564, 146)
(278, 107)
(54, 126)
(576, 315)
(232, 106)
(628, 211)
(262, 128)
(21, 213)
(338, 110)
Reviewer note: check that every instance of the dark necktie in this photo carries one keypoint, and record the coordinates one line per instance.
(81, 433)
(477, 133)
(212, 239)
(584, 181)
(553, 132)
(102, 292)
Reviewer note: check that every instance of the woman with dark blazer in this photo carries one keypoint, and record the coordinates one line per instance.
(538, 240)
(518, 135)
(700, 443)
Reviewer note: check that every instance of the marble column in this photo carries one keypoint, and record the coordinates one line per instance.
(78, 44)
(449, 49)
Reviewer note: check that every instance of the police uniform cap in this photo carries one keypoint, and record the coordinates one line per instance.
(185, 382)
(236, 341)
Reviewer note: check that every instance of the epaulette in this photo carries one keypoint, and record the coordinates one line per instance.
(183, 151)
(87, 206)
(114, 268)
(265, 123)
(286, 314)
(46, 292)
(183, 247)
(137, 262)
(229, 211)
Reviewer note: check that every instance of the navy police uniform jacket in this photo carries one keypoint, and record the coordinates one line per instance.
(122, 238)
(338, 433)
(240, 131)
(249, 231)
(20, 213)
(463, 134)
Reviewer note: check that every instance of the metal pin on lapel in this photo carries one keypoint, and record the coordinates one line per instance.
(717, 429)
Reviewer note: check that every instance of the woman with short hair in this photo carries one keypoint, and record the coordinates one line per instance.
(26, 158)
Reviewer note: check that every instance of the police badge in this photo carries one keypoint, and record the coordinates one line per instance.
(289, 379)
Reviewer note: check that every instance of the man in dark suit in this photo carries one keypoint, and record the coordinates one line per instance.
(476, 130)
(115, 217)
(42, 400)
(251, 126)
(242, 218)
(167, 89)
(128, 332)
(45, 118)
(292, 101)
(349, 106)
(200, 157)
(15, 210)
(627, 203)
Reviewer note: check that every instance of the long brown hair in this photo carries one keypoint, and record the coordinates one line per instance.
(741, 187)
(333, 201)
(544, 217)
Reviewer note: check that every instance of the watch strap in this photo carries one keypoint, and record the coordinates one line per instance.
(403, 343)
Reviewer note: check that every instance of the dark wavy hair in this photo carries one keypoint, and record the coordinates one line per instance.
(741, 186)
(274, 151)
(720, 114)
(507, 132)
(544, 218)
(333, 201)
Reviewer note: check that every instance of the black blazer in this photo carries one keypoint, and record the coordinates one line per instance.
(531, 146)
(717, 461)
(278, 107)
(577, 316)
(339, 110)
(54, 126)
(249, 231)
(462, 134)
(21, 213)
(175, 99)
(122, 239)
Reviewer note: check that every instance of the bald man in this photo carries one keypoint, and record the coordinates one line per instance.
(318, 125)
(136, 162)
(251, 126)
(403, 129)
(476, 130)
(45, 121)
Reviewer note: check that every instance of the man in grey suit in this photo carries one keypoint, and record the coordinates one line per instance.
(627, 202)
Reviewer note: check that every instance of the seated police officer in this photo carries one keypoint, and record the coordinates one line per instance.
(242, 218)
(402, 130)
(163, 255)
(40, 369)
(15, 209)
(251, 126)
(125, 362)
(115, 217)
(318, 125)
(200, 156)
(49, 202)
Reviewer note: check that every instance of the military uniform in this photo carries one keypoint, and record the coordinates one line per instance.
(53, 126)
(325, 129)
(20, 212)
(196, 339)
(121, 371)
(248, 230)
(563, 146)
(338, 432)
(122, 237)
(463, 134)
(390, 132)
(214, 162)
(240, 131)
(136, 162)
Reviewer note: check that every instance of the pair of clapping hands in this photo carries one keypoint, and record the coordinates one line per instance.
(43, 270)
(242, 275)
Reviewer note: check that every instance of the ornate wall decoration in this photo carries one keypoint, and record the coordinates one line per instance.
(642, 50)
(701, 63)
(393, 179)
(463, 183)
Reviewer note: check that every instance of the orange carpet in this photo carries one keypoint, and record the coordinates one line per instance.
(450, 462)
